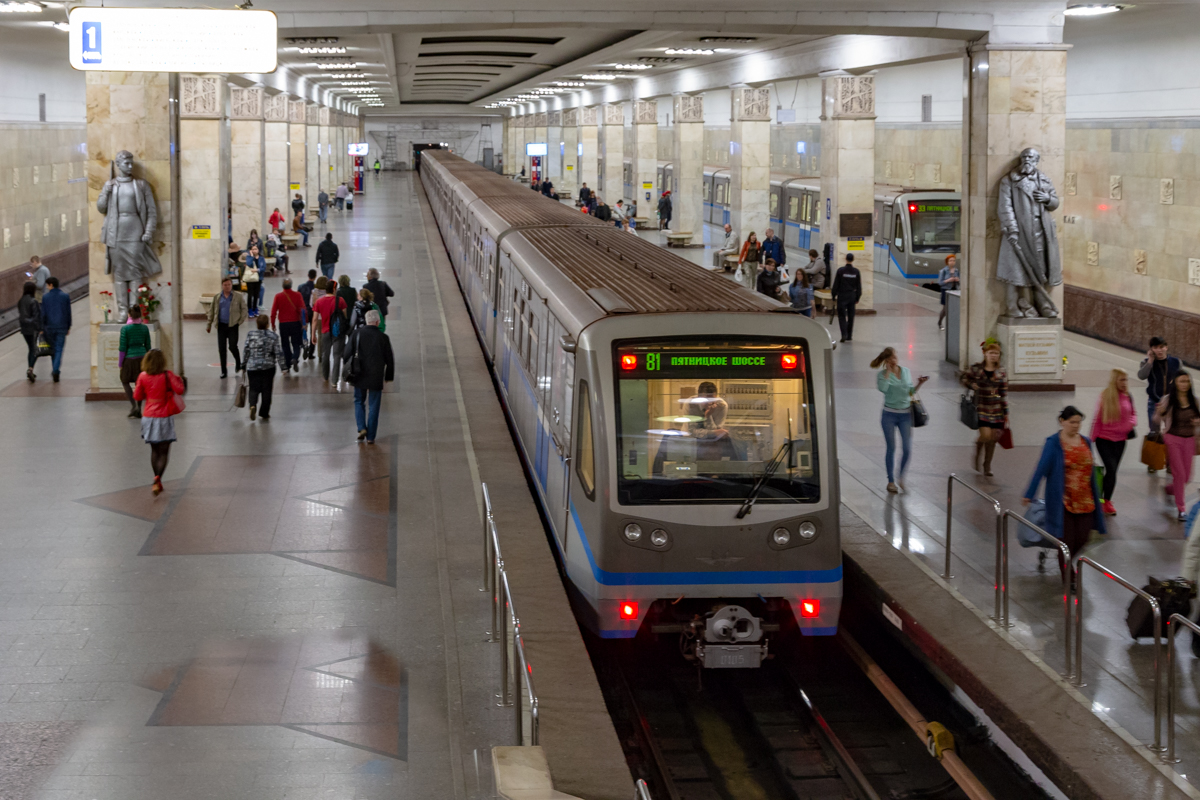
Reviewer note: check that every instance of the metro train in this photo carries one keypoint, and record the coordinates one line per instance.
(914, 229)
(678, 429)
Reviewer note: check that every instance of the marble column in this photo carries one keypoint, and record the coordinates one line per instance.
(524, 132)
(555, 147)
(248, 160)
(848, 171)
(297, 154)
(203, 189)
(750, 164)
(129, 111)
(645, 157)
(540, 135)
(275, 156)
(589, 150)
(612, 152)
(1016, 99)
(312, 138)
(509, 146)
(324, 152)
(687, 165)
(570, 148)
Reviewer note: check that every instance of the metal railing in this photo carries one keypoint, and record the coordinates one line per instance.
(506, 629)
(1066, 579)
(1157, 637)
(1001, 545)
(1172, 628)
(643, 791)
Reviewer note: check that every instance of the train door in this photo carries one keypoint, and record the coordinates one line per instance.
(562, 381)
(880, 256)
(773, 210)
(707, 198)
(882, 237)
(792, 229)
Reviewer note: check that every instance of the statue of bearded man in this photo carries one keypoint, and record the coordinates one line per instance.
(1029, 261)
(130, 217)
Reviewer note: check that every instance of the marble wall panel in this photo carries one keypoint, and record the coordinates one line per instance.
(57, 151)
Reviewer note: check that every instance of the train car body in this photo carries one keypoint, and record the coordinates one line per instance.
(650, 400)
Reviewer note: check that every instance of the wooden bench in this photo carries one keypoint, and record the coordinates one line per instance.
(678, 238)
(823, 298)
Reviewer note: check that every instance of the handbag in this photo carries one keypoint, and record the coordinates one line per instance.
(968, 411)
(43, 346)
(239, 397)
(175, 403)
(354, 366)
(1005, 439)
(919, 415)
(1154, 452)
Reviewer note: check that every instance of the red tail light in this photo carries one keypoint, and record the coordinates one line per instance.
(628, 362)
(629, 609)
(810, 608)
(790, 361)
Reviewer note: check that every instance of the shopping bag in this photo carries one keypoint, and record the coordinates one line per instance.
(239, 397)
(1005, 439)
(920, 417)
(1035, 512)
(43, 346)
(1154, 452)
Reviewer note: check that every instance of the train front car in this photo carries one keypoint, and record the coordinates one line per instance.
(713, 505)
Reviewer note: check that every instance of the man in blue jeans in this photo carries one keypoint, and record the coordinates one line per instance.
(369, 363)
(56, 322)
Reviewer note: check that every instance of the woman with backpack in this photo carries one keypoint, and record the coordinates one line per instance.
(159, 390)
(358, 315)
(989, 382)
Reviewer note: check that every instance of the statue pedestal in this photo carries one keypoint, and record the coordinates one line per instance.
(107, 370)
(1032, 353)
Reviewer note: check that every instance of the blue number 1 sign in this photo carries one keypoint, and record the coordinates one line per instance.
(91, 42)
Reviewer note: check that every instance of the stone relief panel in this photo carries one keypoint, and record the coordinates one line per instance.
(554, 119)
(1071, 183)
(296, 111)
(887, 170)
(200, 96)
(540, 118)
(1139, 262)
(937, 173)
(1166, 191)
(246, 103)
(852, 96)
(1114, 187)
(689, 108)
(645, 112)
(614, 114)
(310, 114)
(752, 105)
(275, 107)
(37, 174)
(570, 117)
(590, 115)
(323, 115)
(1093, 254)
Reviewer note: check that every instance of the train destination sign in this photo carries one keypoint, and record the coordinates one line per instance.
(922, 208)
(172, 39)
(734, 363)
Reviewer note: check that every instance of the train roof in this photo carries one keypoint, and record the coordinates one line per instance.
(620, 273)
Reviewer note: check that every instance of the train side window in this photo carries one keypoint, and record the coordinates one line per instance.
(899, 243)
(720, 194)
(793, 208)
(585, 453)
(774, 204)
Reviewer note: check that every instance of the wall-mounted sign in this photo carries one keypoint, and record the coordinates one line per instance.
(172, 40)
(570, 167)
(856, 243)
(647, 185)
(358, 148)
(855, 225)
(536, 149)
(295, 187)
(828, 209)
(201, 231)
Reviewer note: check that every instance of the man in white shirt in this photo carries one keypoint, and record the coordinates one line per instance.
(728, 247)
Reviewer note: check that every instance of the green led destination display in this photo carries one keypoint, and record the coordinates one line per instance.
(923, 207)
(750, 363)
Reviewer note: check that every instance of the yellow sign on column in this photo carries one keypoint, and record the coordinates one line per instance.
(856, 243)
(201, 231)
(295, 187)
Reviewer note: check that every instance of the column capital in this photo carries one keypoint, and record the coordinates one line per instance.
(614, 114)
(688, 108)
(750, 104)
(311, 113)
(201, 97)
(570, 117)
(846, 96)
(589, 115)
(645, 112)
(296, 111)
(324, 114)
(539, 119)
(554, 119)
(275, 107)
(246, 103)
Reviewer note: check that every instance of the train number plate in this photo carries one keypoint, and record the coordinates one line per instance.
(732, 656)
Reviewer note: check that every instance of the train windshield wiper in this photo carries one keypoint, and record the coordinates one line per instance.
(768, 471)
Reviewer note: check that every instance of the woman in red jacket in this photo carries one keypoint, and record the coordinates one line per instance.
(160, 391)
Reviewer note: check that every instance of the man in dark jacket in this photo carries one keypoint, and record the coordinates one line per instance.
(379, 290)
(297, 205)
(602, 211)
(769, 280)
(56, 322)
(1158, 370)
(306, 290)
(369, 363)
(585, 194)
(772, 248)
(846, 291)
(664, 211)
(327, 255)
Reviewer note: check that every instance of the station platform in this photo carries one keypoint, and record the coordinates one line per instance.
(298, 615)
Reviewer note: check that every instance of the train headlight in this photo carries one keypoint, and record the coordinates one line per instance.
(808, 531)
(781, 536)
(659, 537)
(633, 532)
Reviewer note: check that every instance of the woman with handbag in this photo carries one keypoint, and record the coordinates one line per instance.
(1072, 497)
(898, 389)
(990, 384)
(751, 251)
(1114, 423)
(29, 316)
(160, 391)
(262, 352)
(252, 278)
(1180, 422)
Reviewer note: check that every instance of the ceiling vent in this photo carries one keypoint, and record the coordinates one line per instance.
(658, 60)
(491, 40)
(729, 39)
(313, 40)
(476, 54)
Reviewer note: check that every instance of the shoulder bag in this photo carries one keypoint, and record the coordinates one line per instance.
(920, 417)
(175, 403)
(968, 411)
(354, 367)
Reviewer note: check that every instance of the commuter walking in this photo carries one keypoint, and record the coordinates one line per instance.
(1177, 416)
(769, 280)
(358, 314)
(276, 221)
(948, 281)
(369, 363)
(585, 194)
(228, 310)
(262, 354)
(323, 205)
(989, 382)
(729, 247)
(288, 310)
(297, 205)
(898, 389)
(664, 211)
(847, 291)
(378, 167)
(341, 193)
(29, 317)
(56, 323)
(306, 291)
(379, 290)
(1072, 501)
(252, 277)
(39, 275)
(801, 293)
(751, 251)
(132, 347)
(314, 328)
(1157, 370)
(1191, 551)
(772, 248)
(327, 256)
(330, 315)
(159, 390)
(815, 269)
(1113, 423)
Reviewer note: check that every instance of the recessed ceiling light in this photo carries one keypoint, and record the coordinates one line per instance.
(1092, 10)
(312, 40)
(568, 83)
(309, 51)
(688, 51)
(599, 76)
(633, 66)
(333, 66)
(21, 8)
(351, 75)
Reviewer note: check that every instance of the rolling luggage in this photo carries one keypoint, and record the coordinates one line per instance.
(1174, 597)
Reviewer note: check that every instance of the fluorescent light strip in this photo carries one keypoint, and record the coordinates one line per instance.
(319, 51)
(633, 66)
(1092, 10)
(21, 8)
(688, 51)
(600, 76)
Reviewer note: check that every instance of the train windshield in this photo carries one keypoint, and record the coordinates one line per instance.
(701, 421)
(936, 226)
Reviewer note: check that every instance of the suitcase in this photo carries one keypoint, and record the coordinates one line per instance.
(1174, 597)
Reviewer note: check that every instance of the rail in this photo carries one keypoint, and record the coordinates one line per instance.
(643, 791)
(1172, 628)
(1066, 579)
(506, 629)
(1001, 545)
(1157, 747)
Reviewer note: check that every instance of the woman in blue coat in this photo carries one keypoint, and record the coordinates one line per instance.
(1073, 507)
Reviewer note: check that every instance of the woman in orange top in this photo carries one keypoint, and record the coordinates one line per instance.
(751, 250)
(161, 391)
